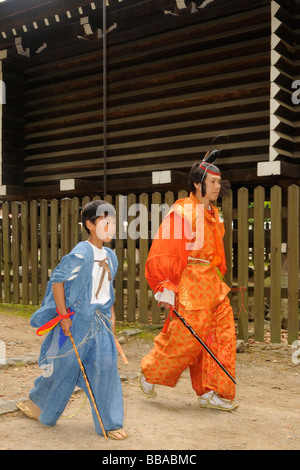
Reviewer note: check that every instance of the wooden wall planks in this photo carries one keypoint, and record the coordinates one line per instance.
(175, 81)
(168, 95)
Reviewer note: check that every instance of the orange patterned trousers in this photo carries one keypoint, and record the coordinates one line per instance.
(176, 349)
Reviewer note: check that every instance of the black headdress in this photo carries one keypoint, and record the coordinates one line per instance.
(207, 164)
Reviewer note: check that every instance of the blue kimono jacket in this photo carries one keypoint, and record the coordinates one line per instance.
(91, 330)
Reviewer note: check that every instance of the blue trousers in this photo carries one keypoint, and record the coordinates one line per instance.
(98, 353)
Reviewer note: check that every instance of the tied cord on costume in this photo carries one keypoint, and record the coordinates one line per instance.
(103, 264)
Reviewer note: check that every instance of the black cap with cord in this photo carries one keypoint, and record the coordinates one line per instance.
(199, 171)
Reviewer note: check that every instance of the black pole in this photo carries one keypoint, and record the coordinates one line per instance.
(203, 344)
(104, 97)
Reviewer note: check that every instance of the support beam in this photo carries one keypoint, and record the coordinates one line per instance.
(104, 113)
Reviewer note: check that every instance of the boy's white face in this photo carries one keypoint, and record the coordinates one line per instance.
(105, 228)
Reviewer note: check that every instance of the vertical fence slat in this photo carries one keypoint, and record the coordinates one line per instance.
(157, 216)
(34, 252)
(119, 280)
(275, 300)
(131, 261)
(227, 216)
(44, 245)
(182, 194)
(243, 260)
(15, 252)
(169, 198)
(84, 235)
(259, 273)
(144, 246)
(74, 222)
(293, 263)
(65, 226)
(54, 233)
(6, 251)
(25, 252)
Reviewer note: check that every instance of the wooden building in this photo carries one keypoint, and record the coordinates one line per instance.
(131, 110)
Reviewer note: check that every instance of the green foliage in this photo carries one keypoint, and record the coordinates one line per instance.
(267, 206)
(24, 311)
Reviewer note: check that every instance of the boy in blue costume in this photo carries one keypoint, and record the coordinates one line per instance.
(82, 283)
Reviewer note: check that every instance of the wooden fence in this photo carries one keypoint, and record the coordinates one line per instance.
(261, 245)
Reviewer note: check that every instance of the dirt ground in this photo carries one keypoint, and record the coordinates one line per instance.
(268, 393)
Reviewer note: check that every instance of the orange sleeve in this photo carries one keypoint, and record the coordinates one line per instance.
(168, 255)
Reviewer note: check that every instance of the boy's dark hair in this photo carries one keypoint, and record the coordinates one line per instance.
(95, 209)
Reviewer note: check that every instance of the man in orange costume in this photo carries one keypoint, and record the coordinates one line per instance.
(185, 269)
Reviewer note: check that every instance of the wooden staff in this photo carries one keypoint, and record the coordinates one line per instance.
(201, 342)
(87, 383)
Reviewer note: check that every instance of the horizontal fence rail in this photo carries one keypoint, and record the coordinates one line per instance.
(261, 245)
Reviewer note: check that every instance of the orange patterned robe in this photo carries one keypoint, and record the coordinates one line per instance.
(195, 274)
